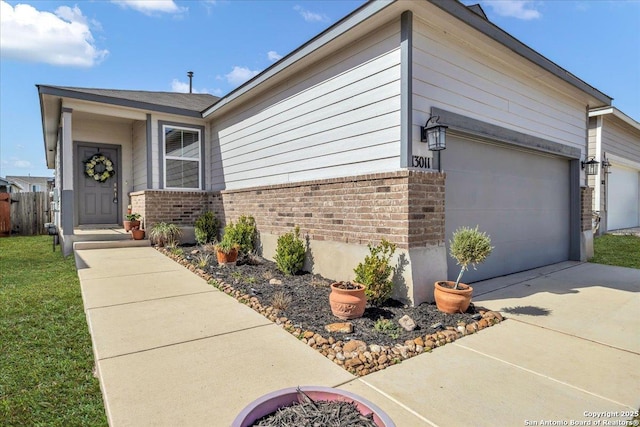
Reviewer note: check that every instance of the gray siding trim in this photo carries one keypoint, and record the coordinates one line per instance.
(406, 91)
(162, 123)
(149, 153)
(47, 90)
(470, 18)
(67, 213)
(475, 127)
(66, 110)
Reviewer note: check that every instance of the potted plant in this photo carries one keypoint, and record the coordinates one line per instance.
(133, 220)
(137, 233)
(347, 300)
(468, 246)
(163, 233)
(227, 249)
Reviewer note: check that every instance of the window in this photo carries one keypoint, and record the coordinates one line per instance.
(181, 157)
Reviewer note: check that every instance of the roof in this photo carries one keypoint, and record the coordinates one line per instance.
(192, 102)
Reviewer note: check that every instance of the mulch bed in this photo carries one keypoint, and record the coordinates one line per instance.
(258, 283)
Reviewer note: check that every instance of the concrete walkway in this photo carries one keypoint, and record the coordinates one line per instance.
(172, 350)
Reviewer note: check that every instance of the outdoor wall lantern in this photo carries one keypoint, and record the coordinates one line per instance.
(606, 164)
(435, 135)
(591, 166)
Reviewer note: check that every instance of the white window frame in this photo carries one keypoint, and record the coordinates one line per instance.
(165, 157)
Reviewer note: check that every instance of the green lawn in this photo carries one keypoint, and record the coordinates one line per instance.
(46, 360)
(623, 251)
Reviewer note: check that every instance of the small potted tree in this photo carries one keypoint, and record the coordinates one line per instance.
(468, 246)
(133, 220)
(227, 249)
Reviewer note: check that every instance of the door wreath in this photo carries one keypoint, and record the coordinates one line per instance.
(99, 167)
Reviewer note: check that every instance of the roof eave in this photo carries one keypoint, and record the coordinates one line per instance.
(67, 93)
(616, 113)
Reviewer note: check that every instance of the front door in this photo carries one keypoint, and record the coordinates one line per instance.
(97, 167)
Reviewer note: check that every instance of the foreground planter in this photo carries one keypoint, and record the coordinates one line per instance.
(347, 304)
(227, 258)
(451, 300)
(271, 402)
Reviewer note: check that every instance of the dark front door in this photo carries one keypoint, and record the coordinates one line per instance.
(97, 184)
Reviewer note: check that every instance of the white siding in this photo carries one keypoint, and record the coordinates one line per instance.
(460, 78)
(339, 117)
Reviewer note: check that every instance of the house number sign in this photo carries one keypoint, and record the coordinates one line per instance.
(421, 162)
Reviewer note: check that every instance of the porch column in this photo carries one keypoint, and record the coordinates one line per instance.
(67, 170)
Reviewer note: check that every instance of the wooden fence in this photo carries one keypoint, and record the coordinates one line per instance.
(28, 213)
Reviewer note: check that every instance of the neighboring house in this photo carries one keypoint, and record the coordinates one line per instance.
(614, 141)
(328, 138)
(33, 183)
(9, 186)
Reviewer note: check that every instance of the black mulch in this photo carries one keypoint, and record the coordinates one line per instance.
(309, 308)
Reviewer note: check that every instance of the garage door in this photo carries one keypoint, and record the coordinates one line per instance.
(520, 198)
(624, 198)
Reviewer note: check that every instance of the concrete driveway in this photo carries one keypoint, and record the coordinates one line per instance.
(171, 350)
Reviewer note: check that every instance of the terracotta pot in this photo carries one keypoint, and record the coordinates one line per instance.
(347, 303)
(271, 402)
(224, 258)
(137, 234)
(451, 300)
(128, 225)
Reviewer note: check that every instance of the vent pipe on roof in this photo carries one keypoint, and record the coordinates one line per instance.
(190, 74)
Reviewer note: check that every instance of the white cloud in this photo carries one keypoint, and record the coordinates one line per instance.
(273, 55)
(148, 7)
(22, 164)
(60, 38)
(520, 9)
(310, 16)
(240, 75)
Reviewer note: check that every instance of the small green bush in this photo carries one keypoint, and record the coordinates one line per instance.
(375, 272)
(246, 233)
(388, 327)
(290, 252)
(206, 228)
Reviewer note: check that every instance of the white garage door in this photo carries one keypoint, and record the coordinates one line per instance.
(624, 198)
(520, 198)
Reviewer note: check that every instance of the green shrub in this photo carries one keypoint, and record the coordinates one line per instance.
(388, 327)
(246, 233)
(290, 252)
(375, 272)
(469, 246)
(206, 228)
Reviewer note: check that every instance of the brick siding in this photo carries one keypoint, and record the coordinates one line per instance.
(405, 207)
(586, 208)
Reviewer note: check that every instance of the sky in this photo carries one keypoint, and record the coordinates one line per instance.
(151, 44)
